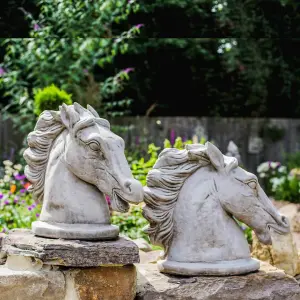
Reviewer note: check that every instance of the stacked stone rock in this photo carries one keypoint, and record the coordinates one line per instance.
(56, 269)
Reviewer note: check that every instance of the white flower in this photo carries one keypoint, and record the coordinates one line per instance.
(7, 163)
(18, 167)
(220, 50)
(16, 173)
(6, 178)
(8, 171)
(234, 42)
(276, 182)
(263, 167)
(274, 164)
(213, 9)
(262, 175)
(282, 169)
(228, 46)
(220, 7)
(225, 3)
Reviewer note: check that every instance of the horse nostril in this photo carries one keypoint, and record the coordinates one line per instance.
(127, 185)
(284, 220)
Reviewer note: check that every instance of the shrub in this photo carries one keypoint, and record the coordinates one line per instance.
(50, 98)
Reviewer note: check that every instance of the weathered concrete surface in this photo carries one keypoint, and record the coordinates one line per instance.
(268, 283)
(73, 253)
(105, 283)
(30, 285)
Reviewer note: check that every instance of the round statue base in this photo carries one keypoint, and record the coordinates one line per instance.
(75, 231)
(221, 268)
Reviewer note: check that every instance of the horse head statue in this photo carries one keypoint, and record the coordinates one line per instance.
(74, 161)
(194, 198)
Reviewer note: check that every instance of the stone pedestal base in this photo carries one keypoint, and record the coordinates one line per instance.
(268, 283)
(54, 269)
(221, 268)
(75, 231)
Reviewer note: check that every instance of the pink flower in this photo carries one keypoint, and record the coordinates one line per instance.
(138, 26)
(36, 27)
(172, 136)
(2, 71)
(127, 70)
(107, 198)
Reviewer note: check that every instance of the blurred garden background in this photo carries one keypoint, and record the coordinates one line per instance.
(164, 73)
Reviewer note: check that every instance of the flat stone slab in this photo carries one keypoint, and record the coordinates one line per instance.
(73, 253)
(269, 283)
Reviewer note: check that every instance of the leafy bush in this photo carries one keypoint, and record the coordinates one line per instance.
(131, 223)
(50, 98)
(17, 209)
(88, 40)
(279, 181)
(268, 170)
(292, 160)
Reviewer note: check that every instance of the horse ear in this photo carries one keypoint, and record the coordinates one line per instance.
(93, 111)
(215, 155)
(64, 115)
(78, 108)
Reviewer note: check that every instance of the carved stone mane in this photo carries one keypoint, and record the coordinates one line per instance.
(40, 141)
(164, 183)
(48, 127)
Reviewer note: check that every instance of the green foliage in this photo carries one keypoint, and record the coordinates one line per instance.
(292, 160)
(288, 189)
(131, 223)
(50, 98)
(68, 42)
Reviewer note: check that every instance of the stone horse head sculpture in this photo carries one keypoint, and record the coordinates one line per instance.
(74, 160)
(193, 198)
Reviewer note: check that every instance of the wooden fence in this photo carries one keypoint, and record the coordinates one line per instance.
(138, 132)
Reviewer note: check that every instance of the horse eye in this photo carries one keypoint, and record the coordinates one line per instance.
(252, 184)
(94, 146)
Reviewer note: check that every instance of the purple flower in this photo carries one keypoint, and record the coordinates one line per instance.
(22, 191)
(243, 227)
(36, 27)
(6, 202)
(3, 230)
(29, 208)
(85, 71)
(22, 182)
(172, 136)
(1, 196)
(16, 200)
(138, 26)
(2, 71)
(33, 205)
(137, 140)
(127, 70)
(20, 177)
(37, 215)
(23, 201)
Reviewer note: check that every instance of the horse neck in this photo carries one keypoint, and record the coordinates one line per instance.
(68, 199)
(203, 231)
